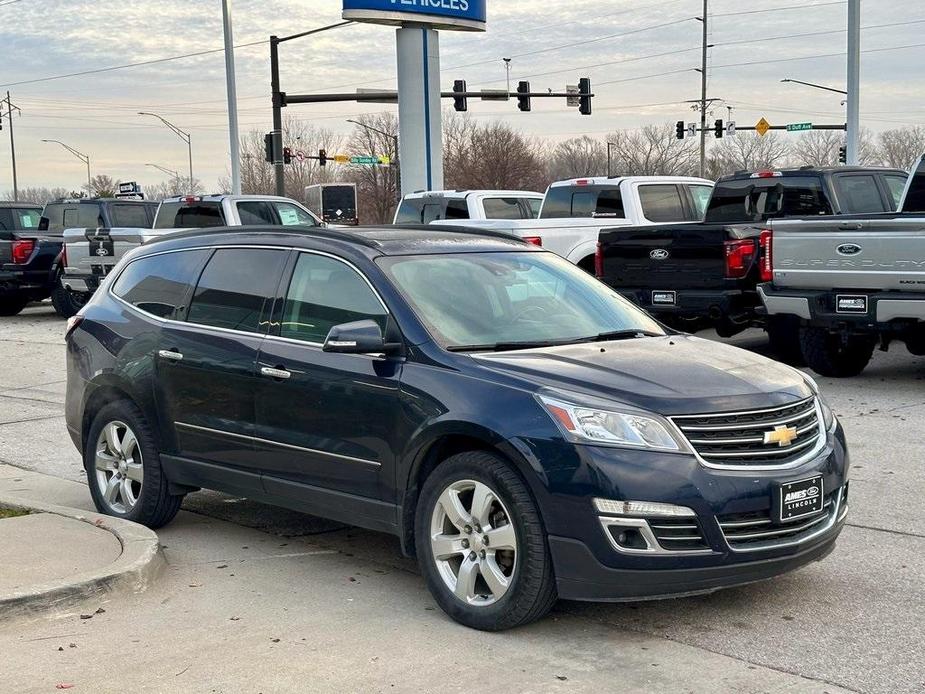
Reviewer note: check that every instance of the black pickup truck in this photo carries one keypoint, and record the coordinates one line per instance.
(32, 242)
(705, 274)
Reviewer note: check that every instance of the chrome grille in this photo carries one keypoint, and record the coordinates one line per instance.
(736, 439)
(756, 530)
(678, 534)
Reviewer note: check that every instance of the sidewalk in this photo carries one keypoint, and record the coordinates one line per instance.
(54, 558)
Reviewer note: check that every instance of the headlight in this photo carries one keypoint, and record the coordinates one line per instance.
(828, 415)
(593, 424)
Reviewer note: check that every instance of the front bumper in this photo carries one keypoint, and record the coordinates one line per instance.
(820, 307)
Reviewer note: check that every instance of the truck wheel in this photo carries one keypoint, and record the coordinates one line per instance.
(124, 469)
(12, 305)
(481, 544)
(66, 302)
(828, 354)
(784, 335)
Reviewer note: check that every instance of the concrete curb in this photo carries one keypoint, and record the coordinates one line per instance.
(137, 567)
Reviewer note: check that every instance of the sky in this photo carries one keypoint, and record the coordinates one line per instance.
(641, 56)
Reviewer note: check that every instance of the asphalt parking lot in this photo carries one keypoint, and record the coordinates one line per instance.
(855, 621)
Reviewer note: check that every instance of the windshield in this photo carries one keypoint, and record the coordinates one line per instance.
(498, 300)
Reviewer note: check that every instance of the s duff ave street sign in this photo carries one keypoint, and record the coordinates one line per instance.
(459, 15)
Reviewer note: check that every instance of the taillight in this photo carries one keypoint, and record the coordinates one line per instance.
(599, 261)
(739, 256)
(22, 250)
(72, 324)
(767, 255)
(535, 240)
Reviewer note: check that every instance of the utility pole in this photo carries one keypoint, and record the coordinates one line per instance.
(9, 112)
(703, 93)
(232, 101)
(610, 146)
(854, 81)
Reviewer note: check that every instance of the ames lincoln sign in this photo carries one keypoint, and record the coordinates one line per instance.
(464, 15)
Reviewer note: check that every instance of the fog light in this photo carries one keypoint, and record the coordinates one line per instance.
(641, 508)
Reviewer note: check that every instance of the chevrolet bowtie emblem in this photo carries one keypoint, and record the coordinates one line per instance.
(783, 436)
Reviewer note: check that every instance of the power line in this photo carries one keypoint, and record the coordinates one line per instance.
(779, 9)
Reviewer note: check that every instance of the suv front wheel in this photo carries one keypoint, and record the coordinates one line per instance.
(481, 544)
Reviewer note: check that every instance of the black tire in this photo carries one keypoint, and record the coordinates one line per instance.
(532, 590)
(66, 302)
(828, 354)
(12, 305)
(155, 506)
(784, 336)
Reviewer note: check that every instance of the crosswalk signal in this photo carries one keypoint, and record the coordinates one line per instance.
(584, 100)
(523, 99)
(287, 155)
(460, 102)
(719, 129)
(843, 154)
(322, 157)
(680, 129)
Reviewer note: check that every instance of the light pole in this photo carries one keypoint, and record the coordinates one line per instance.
(395, 162)
(232, 101)
(183, 135)
(817, 86)
(175, 174)
(80, 155)
(610, 146)
(854, 82)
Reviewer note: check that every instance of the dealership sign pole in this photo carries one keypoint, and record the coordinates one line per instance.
(418, 52)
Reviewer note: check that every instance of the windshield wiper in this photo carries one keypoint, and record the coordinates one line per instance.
(620, 335)
(505, 346)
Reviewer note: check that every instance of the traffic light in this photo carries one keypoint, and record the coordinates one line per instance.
(287, 155)
(268, 148)
(523, 101)
(460, 102)
(719, 129)
(843, 154)
(680, 130)
(322, 157)
(584, 102)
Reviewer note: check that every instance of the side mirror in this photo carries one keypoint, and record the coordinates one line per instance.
(359, 337)
(43, 223)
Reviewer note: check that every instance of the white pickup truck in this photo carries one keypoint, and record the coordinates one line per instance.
(574, 211)
(425, 207)
(91, 254)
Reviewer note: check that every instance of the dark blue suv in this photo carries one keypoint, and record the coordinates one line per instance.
(526, 432)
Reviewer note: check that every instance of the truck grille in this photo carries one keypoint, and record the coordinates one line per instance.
(756, 530)
(759, 438)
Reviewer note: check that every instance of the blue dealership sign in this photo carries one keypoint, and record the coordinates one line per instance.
(460, 15)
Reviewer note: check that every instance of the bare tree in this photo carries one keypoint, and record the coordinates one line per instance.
(377, 186)
(820, 148)
(901, 147)
(37, 195)
(102, 186)
(653, 151)
(577, 157)
(173, 187)
(747, 153)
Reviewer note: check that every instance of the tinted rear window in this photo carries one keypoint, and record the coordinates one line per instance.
(126, 215)
(189, 215)
(662, 203)
(502, 208)
(19, 218)
(159, 284)
(582, 201)
(859, 194)
(235, 288)
(757, 199)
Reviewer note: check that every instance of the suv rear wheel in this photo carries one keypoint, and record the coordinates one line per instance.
(481, 544)
(831, 354)
(124, 469)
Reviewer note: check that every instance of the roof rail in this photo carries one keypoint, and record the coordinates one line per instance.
(295, 230)
(474, 231)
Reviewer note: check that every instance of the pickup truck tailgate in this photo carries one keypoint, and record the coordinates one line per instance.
(96, 251)
(881, 254)
(664, 257)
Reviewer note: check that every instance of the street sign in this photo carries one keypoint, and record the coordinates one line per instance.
(572, 101)
(692, 129)
(762, 127)
(341, 159)
(731, 128)
(495, 95)
(300, 155)
(454, 15)
(798, 127)
(369, 160)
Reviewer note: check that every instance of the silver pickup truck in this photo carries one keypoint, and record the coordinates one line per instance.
(90, 254)
(852, 283)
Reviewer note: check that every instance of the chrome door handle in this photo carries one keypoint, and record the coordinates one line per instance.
(274, 373)
(170, 355)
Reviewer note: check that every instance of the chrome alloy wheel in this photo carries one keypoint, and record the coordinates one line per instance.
(119, 469)
(473, 541)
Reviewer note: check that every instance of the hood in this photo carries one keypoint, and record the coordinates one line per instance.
(672, 375)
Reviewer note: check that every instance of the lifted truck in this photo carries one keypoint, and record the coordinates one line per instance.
(851, 283)
(26, 257)
(705, 275)
(92, 253)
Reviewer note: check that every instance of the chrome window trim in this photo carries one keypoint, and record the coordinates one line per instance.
(821, 442)
(257, 439)
(655, 549)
